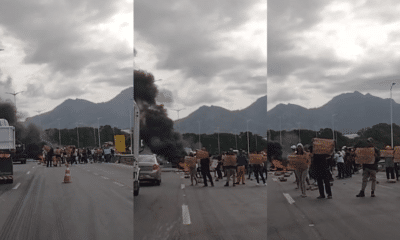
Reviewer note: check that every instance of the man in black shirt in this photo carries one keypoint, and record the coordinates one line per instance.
(205, 170)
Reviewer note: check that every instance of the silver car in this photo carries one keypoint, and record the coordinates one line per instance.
(149, 169)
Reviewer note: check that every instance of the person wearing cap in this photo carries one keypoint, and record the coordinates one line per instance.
(389, 165)
(369, 171)
(301, 170)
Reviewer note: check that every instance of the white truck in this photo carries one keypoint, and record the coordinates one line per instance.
(7, 148)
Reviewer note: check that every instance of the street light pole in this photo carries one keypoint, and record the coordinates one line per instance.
(299, 132)
(77, 133)
(98, 130)
(219, 148)
(280, 130)
(59, 132)
(15, 99)
(199, 135)
(236, 138)
(248, 143)
(178, 110)
(333, 127)
(391, 113)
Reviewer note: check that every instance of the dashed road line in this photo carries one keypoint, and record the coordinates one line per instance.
(16, 186)
(182, 186)
(119, 184)
(185, 215)
(289, 198)
(28, 172)
(104, 177)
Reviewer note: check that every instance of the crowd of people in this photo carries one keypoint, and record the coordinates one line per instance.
(320, 168)
(70, 154)
(222, 169)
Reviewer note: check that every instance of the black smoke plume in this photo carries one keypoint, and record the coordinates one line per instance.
(156, 129)
(30, 135)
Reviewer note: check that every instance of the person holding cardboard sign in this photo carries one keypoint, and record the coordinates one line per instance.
(205, 166)
(320, 166)
(370, 169)
(230, 166)
(389, 163)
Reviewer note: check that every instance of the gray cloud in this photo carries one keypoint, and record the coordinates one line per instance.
(190, 37)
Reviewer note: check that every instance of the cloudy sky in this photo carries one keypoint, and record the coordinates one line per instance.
(206, 52)
(55, 50)
(319, 49)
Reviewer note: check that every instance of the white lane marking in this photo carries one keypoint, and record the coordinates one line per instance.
(33, 167)
(289, 198)
(275, 179)
(182, 186)
(185, 215)
(385, 187)
(28, 172)
(16, 187)
(95, 173)
(119, 184)
(104, 177)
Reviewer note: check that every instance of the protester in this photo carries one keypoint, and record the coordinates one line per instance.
(322, 172)
(340, 163)
(230, 170)
(389, 165)
(257, 168)
(369, 171)
(301, 171)
(192, 171)
(205, 169)
(241, 167)
(49, 157)
(218, 168)
(347, 162)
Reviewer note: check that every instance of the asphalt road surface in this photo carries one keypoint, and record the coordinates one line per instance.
(97, 204)
(176, 210)
(344, 217)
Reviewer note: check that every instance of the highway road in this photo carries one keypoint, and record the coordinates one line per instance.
(176, 210)
(343, 217)
(97, 204)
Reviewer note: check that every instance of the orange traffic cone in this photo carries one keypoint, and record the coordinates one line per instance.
(67, 177)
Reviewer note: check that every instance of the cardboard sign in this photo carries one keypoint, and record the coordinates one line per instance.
(57, 151)
(386, 153)
(300, 162)
(396, 154)
(323, 146)
(256, 158)
(201, 154)
(365, 155)
(230, 160)
(190, 162)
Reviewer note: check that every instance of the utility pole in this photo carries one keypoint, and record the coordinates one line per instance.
(248, 143)
(391, 113)
(59, 132)
(236, 139)
(219, 149)
(199, 135)
(98, 130)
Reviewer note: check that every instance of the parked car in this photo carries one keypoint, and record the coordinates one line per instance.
(149, 169)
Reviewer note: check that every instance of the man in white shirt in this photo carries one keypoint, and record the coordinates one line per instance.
(340, 163)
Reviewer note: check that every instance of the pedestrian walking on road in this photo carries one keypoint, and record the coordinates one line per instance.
(258, 171)
(241, 167)
(340, 163)
(205, 169)
(218, 168)
(369, 171)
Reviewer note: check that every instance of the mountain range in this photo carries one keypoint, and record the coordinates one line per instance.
(352, 112)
